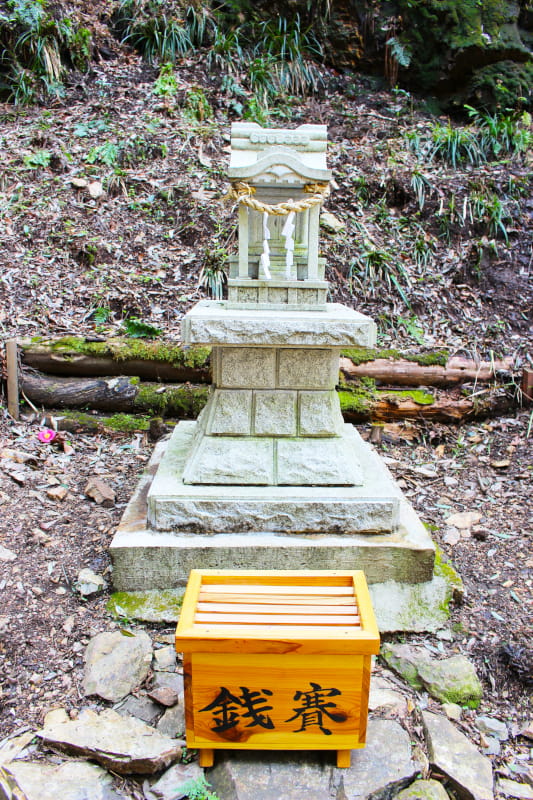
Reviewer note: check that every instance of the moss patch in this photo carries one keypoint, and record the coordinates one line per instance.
(151, 606)
(122, 349)
(126, 423)
(361, 355)
(418, 396)
(445, 570)
(178, 401)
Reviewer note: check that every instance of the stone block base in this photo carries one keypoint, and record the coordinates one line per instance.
(147, 558)
(371, 506)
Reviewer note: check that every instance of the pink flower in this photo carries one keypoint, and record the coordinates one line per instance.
(47, 435)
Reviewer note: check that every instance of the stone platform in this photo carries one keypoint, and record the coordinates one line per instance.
(170, 528)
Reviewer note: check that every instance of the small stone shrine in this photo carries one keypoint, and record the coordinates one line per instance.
(270, 476)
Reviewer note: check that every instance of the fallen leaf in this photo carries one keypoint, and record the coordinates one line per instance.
(464, 519)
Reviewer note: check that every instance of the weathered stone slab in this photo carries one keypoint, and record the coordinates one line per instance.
(140, 707)
(173, 505)
(308, 369)
(411, 606)
(245, 368)
(320, 414)
(214, 323)
(72, 780)
(317, 462)
(116, 664)
(232, 412)
(172, 723)
(385, 765)
(451, 753)
(275, 413)
(231, 460)
(122, 744)
(245, 775)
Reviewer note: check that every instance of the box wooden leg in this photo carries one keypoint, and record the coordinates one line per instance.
(344, 758)
(206, 757)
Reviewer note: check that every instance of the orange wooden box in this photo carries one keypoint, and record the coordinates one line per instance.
(276, 660)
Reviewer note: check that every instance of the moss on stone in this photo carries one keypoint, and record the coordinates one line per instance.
(445, 570)
(154, 605)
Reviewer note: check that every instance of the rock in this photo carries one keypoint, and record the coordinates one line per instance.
(257, 775)
(89, 582)
(165, 696)
(451, 753)
(165, 659)
(451, 536)
(423, 790)
(4, 624)
(515, 789)
(330, 222)
(56, 715)
(115, 664)
(140, 707)
(172, 723)
(384, 765)
(451, 680)
(7, 555)
(172, 785)
(72, 780)
(96, 190)
(452, 711)
(170, 680)
(492, 727)
(490, 746)
(463, 519)
(100, 492)
(384, 697)
(122, 744)
(57, 493)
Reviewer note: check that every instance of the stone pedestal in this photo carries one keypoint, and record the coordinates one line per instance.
(270, 477)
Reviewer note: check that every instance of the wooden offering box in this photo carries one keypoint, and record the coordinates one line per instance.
(276, 660)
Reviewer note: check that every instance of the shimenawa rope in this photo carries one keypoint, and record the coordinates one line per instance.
(242, 193)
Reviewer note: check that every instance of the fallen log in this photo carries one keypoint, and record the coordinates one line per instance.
(128, 394)
(402, 372)
(149, 360)
(174, 363)
(112, 393)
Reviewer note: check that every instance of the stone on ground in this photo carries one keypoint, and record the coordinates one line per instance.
(492, 727)
(265, 775)
(72, 780)
(423, 790)
(384, 696)
(165, 659)
(140, 707)
(100, 492)
(172, 723)
(515, 789)
(115, 664)
(452, 754)
(450, 680)
(89, 582)
(165, 696)
(383, 766)
(452, 711)
(172, 785)
(122, 744)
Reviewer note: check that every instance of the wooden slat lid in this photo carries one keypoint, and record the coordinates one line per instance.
(281, 611)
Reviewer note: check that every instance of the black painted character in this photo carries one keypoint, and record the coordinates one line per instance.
(314, 708)
(229, 708)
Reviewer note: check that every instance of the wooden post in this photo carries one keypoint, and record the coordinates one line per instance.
(12, 378)
(527, 384)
